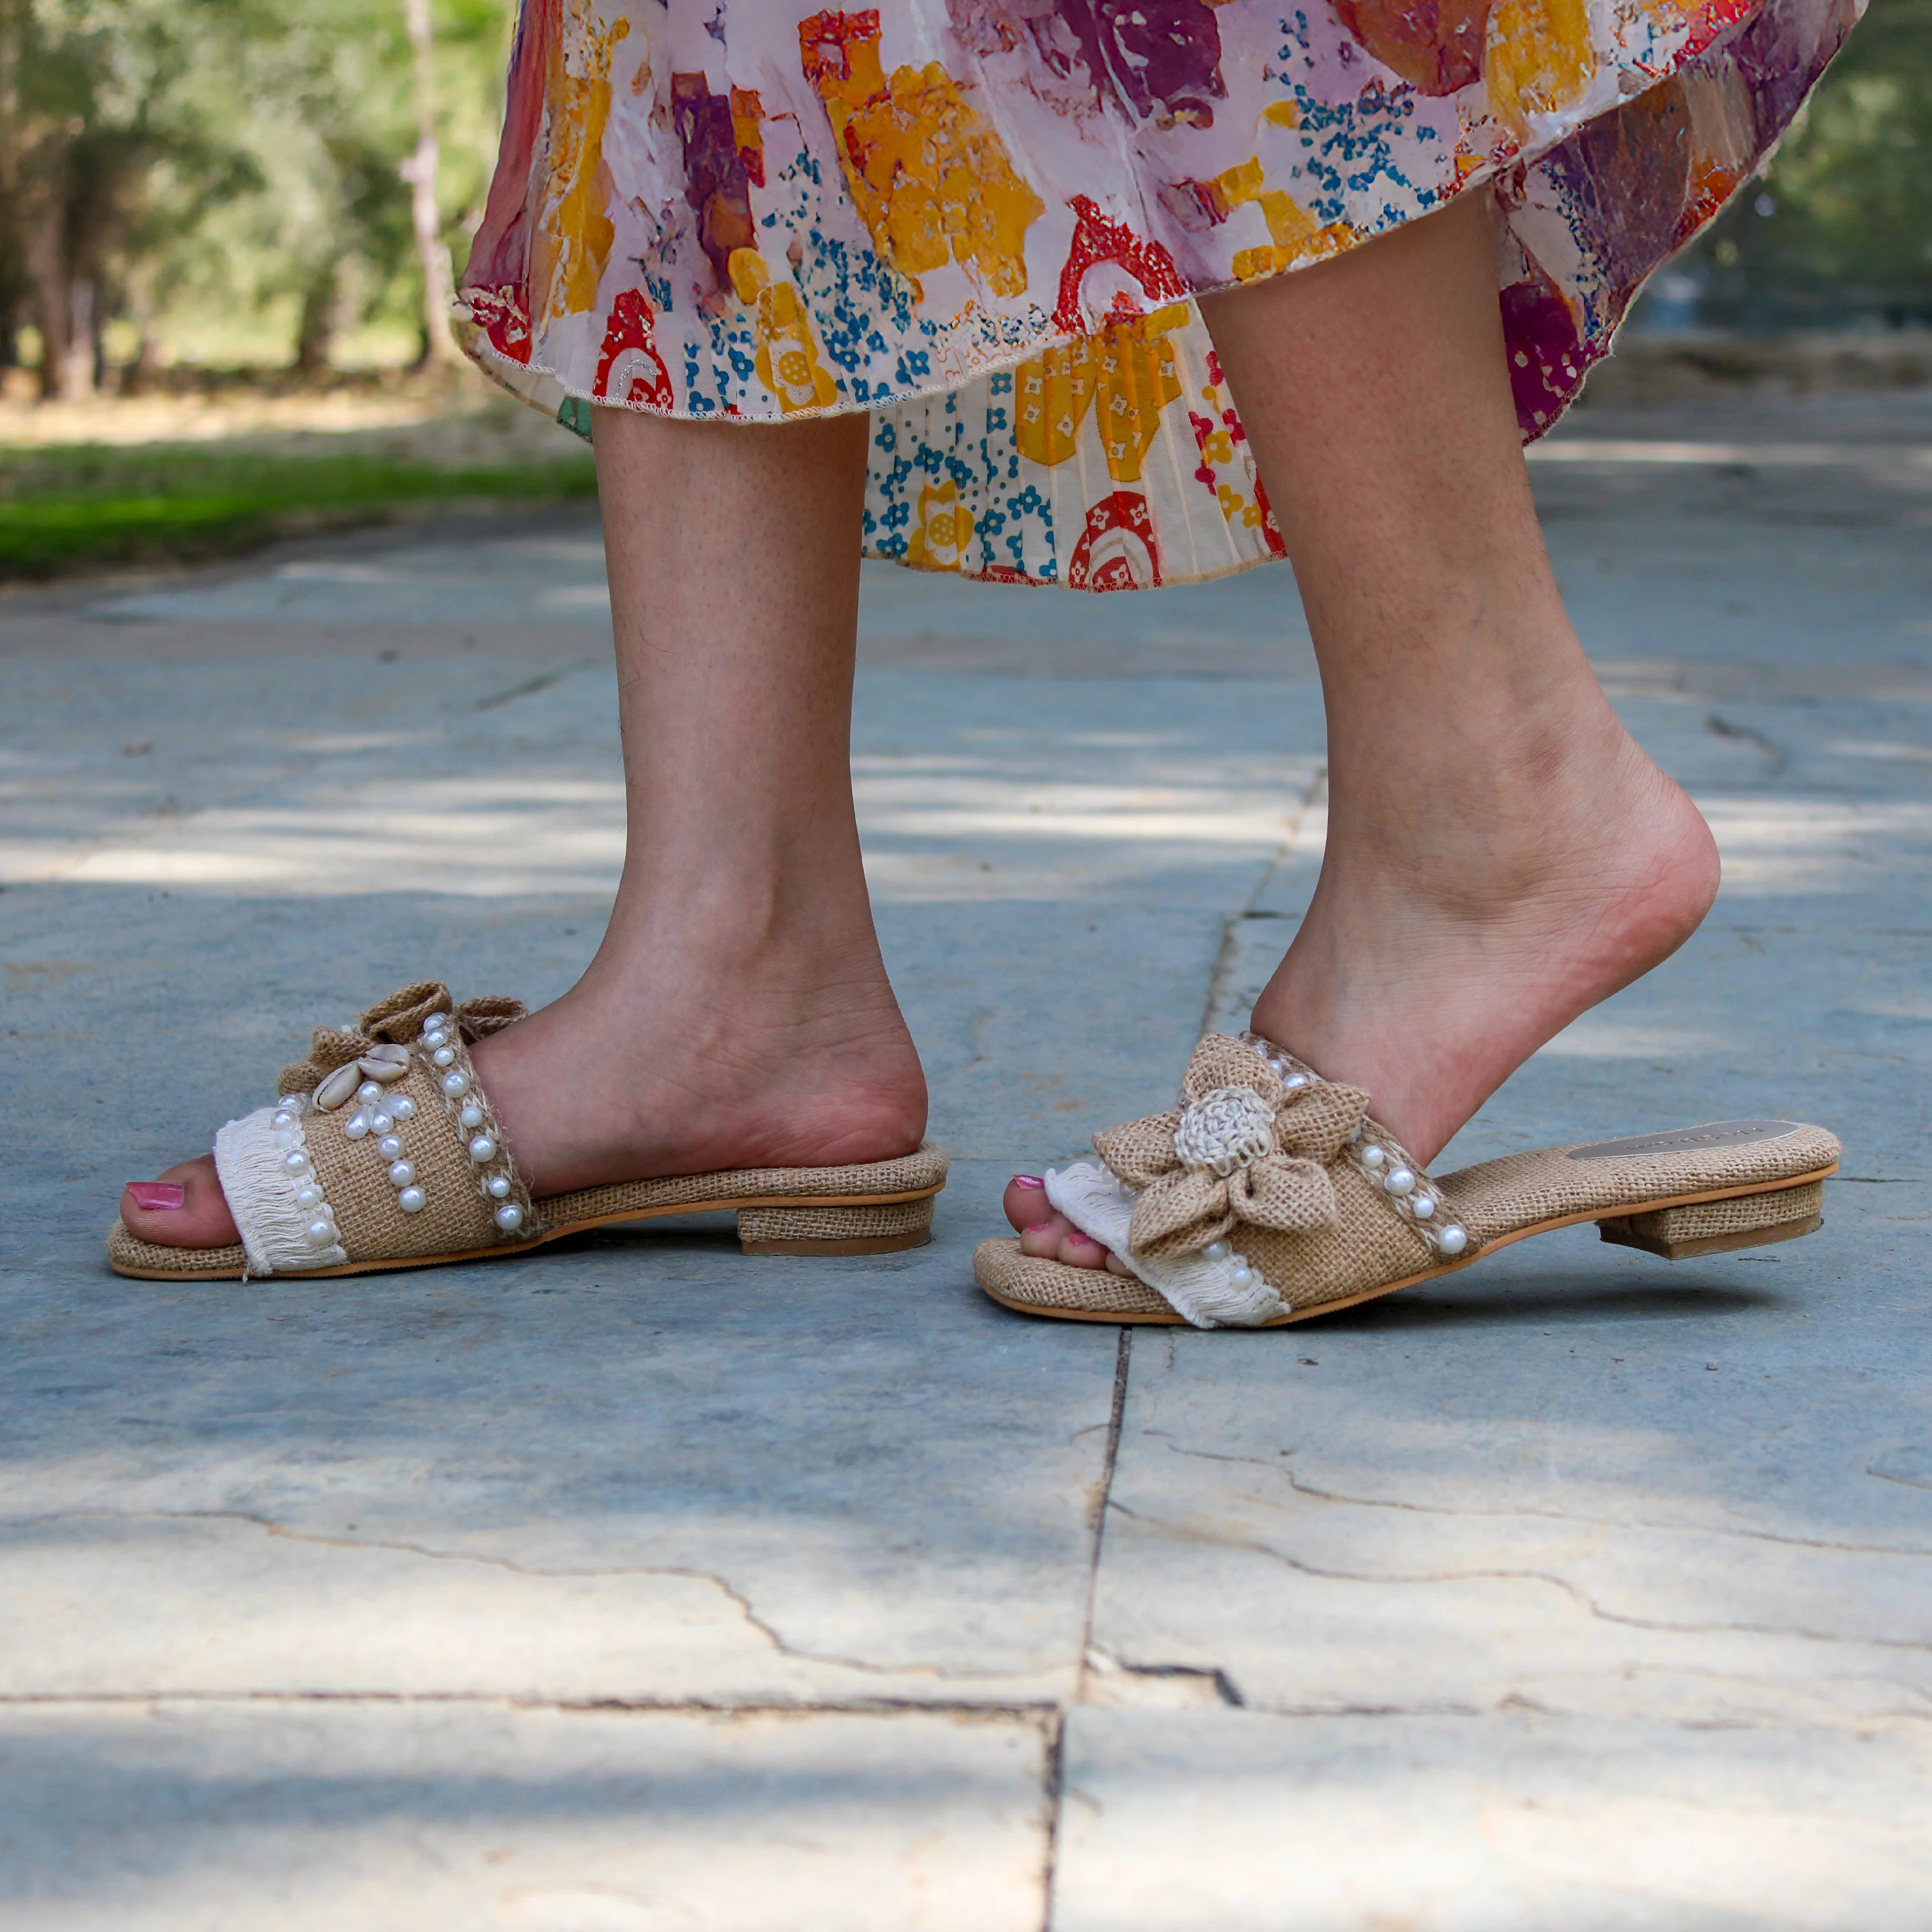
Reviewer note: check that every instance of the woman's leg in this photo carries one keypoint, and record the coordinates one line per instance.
(1501, 856)
(737, 1013)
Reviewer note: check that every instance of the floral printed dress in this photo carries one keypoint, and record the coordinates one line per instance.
(985, 221)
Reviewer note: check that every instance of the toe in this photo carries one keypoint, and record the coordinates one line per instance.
(1025, 1200)
(1081, 1251)
(201, 1219)
(1043, 1238)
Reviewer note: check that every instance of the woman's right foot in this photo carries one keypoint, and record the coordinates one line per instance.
(1514, 910)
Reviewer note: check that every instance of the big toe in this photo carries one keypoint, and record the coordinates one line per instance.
(201, 1219)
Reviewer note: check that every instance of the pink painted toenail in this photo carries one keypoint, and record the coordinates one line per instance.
(1036, 1228)
(157, 1195)
(1027, 1181)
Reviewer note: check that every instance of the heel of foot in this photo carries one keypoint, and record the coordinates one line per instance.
(878, 1230)
(1716, 1227)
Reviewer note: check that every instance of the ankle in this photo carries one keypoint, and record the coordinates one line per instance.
(1546, 800)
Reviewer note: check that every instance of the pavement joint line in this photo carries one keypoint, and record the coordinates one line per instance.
(1021, 1710)
(1103, 1502)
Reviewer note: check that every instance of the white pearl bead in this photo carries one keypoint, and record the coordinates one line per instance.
(356, 1126)
(471, 1117)
(509, 1216)
(368, 1092)
(390, 1146)
(1295, 1082)
(1453, 1239)
(410, 1200)
(482, 1148)
(444, 1056)
(285, 1139)
(320, 1233)
(296, 1163)
(1398, 1180)
(403, 1107)
(498, 1186)
(282, 1122)
(434, 1036)
(455, 1084)
(1373, 1156)
(402, 1173)
(1423, 1206)
(1279, 1065)
(1244, 1276)
(381, 1123)
(310, 1196)
(1216, 1251)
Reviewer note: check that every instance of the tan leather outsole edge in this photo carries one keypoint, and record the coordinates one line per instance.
(503, 1252)
(1777, 1231)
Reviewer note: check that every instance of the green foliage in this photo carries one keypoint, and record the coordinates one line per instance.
(81, 504)
(1840, 228)
(224, 157)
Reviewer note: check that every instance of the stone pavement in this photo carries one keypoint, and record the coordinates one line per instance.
(641, 1587)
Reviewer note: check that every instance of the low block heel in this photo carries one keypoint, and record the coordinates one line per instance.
(1716, 1227)
(879, 1230)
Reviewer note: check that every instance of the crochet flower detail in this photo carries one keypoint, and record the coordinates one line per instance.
(1245, 1145)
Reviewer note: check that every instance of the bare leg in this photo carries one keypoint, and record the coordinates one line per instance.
(737, 1012)
(1501, 856)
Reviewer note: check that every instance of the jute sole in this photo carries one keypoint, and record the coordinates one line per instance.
(1778, 1231)
(872, 1244)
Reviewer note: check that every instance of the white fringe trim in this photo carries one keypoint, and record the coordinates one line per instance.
(1201, 1291)
(261, 1195)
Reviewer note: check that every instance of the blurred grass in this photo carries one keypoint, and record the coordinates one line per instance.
(72, 506)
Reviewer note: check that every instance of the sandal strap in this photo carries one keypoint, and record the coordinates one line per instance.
(383, 1145)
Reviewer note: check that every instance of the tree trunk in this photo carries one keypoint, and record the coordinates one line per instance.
(315, 336)
(419, 171)
(46, 271)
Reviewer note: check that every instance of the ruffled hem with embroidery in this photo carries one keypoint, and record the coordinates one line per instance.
(987, 222)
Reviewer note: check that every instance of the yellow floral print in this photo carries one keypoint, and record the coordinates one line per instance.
(578, 230)
(1294, 234)
(928, 174)
(1538, 59)
(1125, 374)
(787, 358)
(939, 539)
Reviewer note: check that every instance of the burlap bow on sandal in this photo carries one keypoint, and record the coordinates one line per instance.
(1245, 1145)
(1270, 1195)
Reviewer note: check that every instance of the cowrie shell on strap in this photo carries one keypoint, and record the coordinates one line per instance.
(339, 1088)
(385, 1063)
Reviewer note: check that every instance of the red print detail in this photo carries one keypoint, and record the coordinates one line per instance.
(823, 41)
(504, 316)
(1709, 21)
(1116, 550)
(1097, 238)
(630, 358)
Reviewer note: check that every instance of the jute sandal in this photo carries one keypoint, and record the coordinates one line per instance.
(383, 1152)
(1269, 1195)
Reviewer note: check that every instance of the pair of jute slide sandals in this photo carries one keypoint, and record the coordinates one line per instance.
(1268, 1195)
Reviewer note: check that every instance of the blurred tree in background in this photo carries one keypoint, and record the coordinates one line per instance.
(1839, 230)
(297, 171)
(235, 158)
